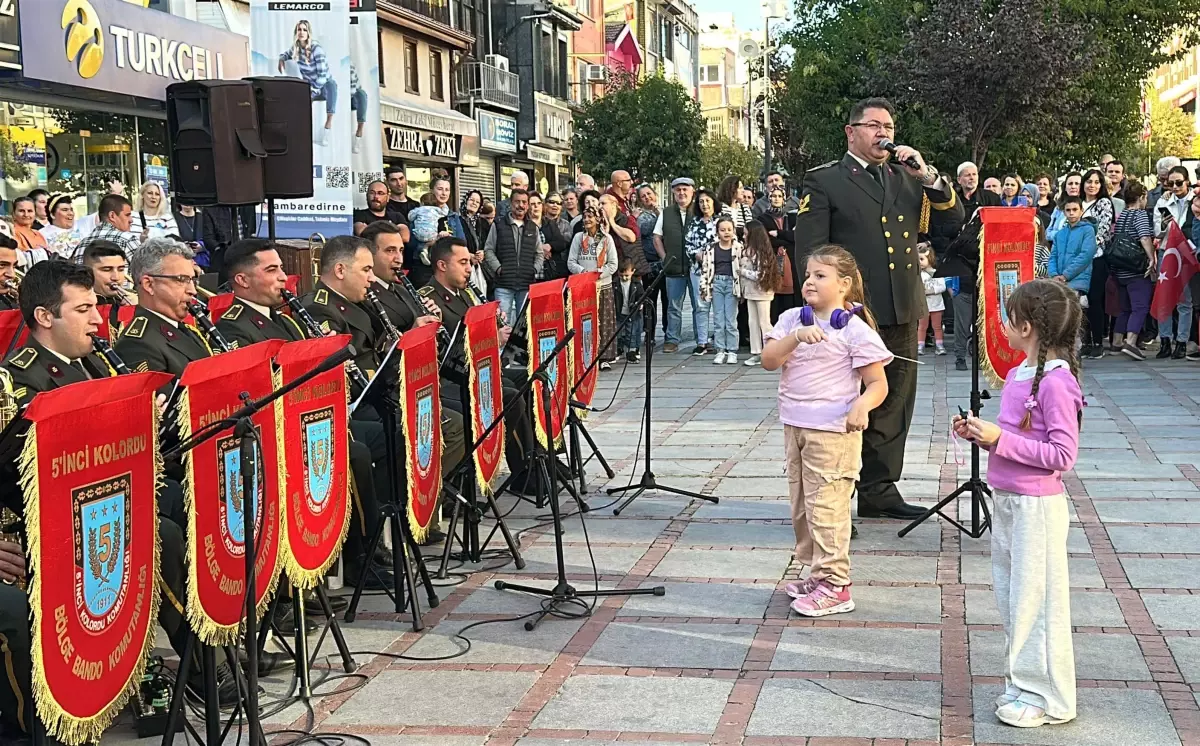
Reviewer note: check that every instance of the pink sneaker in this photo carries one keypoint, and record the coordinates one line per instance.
(801, 588)
(824, 600)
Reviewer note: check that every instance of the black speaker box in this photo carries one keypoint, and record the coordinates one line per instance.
(212, 132)
(285, 126)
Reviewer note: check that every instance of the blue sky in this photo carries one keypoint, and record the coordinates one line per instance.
(747, 14)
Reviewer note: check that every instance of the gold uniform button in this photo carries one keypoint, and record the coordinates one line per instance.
(908, 250)
(891, 250)
(909, 266)
(900, 218)
(906, 234)
(884, 218)
(887, 234)
(891, 266)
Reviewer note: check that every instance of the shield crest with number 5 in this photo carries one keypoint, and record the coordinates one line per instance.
(318, 457)
(483, 394)
(233, 498)
(547, 341)
(102, 532)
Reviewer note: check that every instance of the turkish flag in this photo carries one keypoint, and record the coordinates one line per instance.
(1177, 267)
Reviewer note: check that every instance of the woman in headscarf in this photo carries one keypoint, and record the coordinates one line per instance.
(593, 250)
(780, 227)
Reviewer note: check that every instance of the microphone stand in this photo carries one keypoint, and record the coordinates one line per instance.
(648, 480)
(548, 488)
(243, 428)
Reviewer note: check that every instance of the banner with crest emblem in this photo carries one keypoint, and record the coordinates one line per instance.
(316, 449)
(421, 414)
(92, 521)
(583, 311)
(214, 493)
(546, 325)
(482, 345)
(1006, 242)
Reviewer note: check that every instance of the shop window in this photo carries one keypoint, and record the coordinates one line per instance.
(563, 79)
(437, 86)
(547, 66)
(412, 75)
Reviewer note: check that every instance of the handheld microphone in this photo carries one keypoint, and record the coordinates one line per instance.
(890, 147)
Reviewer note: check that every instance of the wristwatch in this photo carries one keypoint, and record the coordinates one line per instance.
(931, 175)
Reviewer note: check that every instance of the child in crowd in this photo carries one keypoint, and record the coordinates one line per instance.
(935, 304)
(720, 286)
(832, 378)
(627, 291)
(761, 277)
(1074, 248)
(1035, 440)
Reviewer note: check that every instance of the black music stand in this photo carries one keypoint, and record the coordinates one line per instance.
(243, 429)
(543, 458)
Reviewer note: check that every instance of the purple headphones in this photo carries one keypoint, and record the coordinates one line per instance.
(838, 320)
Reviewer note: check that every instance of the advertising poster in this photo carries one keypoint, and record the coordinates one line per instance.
(313, 44)
(367, 145)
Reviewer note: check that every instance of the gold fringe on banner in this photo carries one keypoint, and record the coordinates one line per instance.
(281, 502)
(580, 413)
(418, 531)
(57, 721)
(485, 487)
(981, 346)
(534, 361)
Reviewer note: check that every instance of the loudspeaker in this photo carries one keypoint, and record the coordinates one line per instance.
(285, 125)
(212, 131)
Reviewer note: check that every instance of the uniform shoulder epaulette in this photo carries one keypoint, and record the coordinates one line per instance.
(824, 165)
(426, 291)
(136, 328)
(24, 358)
(234, 311)
(321, 297)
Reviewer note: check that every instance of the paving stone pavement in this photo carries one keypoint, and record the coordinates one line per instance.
(719, 659)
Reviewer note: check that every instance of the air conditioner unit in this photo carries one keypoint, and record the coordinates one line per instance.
(498, 61)
(595, 73)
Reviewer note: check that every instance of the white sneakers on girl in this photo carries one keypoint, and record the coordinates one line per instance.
(731, 358)
(753, 360)
(1021, 715)
(719, 358)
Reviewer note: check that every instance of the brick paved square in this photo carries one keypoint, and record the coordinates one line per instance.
(435, 698)
(1157, 539)
(753, 486)
(541, 558)
(723, 563)
(1162, 573)
(503, 642)
(616, 703)
(1081, 571)
(847, 709)
(624, 531)
(1186, 651)
(738, 535)
(1172, 611)
(1088, 609)
(1148, 511)
(747, 509)
(1097, 656)
(488, 600)
(710, 435)
(866, 567)
(656, 645)
(720, 600)
(1107, 717)
(852, 649)
(876, 536)
(874, 603)
(650, 505)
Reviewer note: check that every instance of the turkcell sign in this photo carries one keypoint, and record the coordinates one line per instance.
(112, 45)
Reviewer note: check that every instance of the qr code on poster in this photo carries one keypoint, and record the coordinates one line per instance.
(337, 177)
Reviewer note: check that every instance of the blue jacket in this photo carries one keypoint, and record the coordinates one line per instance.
(1072, 253)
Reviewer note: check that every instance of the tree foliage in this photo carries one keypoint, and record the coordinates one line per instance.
(1172, 132)
(649, 127)
(722, 156)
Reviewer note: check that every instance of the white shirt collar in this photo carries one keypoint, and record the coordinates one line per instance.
(172, 322)
(861, 162)
(264, 310)
(59, 355)
(1026, 371)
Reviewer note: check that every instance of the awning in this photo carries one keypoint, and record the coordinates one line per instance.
(409, 114)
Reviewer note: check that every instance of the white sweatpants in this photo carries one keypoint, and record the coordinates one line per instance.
(1029, 575)
(759, 312)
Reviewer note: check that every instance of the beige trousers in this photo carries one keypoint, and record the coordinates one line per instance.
(759, 313)
(821, 469)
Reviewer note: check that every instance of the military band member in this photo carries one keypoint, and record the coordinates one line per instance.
(8, 276)
(157, 338)
(108, 263)
(387, 248)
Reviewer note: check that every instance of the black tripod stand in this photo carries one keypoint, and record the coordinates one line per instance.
(543, 457)
(975, 486)
(648, 480)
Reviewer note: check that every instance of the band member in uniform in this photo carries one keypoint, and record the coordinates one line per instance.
(108, 264)
(256, 278)
(874, 209)
(8, 274)
(157, 339)
(450, 260)
(59, 306)
(387, 248)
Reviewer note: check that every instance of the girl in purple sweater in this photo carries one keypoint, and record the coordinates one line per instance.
(1035, 439)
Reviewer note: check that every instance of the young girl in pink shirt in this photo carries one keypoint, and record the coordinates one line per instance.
(1035, 439)
(832, 378)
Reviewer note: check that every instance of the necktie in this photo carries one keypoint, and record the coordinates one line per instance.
(876, 173)
(78, 365)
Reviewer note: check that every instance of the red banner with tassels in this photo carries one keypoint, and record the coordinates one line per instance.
(215, 497)
(13, 332)
(422, 419)
(482, 345)
(583, 311)
(546, 326)
(1006, 242)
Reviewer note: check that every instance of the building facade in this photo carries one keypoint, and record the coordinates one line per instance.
(722, 99)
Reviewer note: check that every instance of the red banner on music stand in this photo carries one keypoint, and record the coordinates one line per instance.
(13, 332)
(482, 344)
(583, 309)
(214, 494)
(546, 325)
(1006, 241)
(92, 523)
(317, 452)
(219, 304)
(422, 419)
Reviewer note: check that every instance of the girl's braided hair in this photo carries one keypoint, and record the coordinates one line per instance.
(1053, 310)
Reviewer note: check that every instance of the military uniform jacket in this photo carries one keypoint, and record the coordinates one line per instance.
(453, 305)
(400, 310)
(150, 342)
(242, 325)
(35, 369)
(334, 313)
(841, 203)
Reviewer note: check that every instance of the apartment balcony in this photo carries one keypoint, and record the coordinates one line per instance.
(434, 10)
(477, 83)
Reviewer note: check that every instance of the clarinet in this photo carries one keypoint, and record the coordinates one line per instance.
(315, 330)
(105, 350)
(389, 328)
(200, 313)
(428, 305)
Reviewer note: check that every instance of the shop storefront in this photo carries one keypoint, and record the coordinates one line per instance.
(497, 141)
(80, 118)
(551, 149)
(426, 142)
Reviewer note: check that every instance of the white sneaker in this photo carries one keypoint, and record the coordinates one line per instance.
(731, 358)
(605, 366)
(718, 358)
(356, 147)
(1008, 697)
(752, 361)
(322, 137)
(1021, 715)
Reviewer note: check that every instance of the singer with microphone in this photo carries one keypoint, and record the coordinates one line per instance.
(872, 202)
